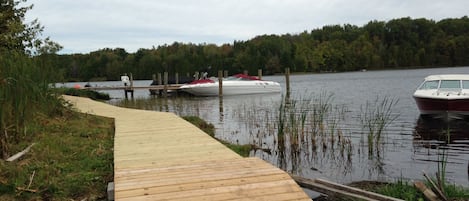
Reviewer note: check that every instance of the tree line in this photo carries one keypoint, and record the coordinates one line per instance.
(398, 43)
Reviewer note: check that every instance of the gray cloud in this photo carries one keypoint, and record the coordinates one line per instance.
(88, 25)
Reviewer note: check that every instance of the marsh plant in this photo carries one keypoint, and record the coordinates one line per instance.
(313, 125)
(300, 131)
(375, 116)
(24, 92)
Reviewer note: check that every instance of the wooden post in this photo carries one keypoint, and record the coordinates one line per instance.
(160, 82)
(225, 73)
(131, 81)
(287, 80)
(153, 92)
(130, 88)
(259, 73)
(165, 80)
(220, 83)
(177, 78)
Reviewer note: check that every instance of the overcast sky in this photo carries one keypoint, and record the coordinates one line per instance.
(82, 26)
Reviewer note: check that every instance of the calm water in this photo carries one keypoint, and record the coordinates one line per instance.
(409, 146)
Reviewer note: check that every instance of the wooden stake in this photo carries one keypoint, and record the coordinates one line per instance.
(434, 187)
(428, 193)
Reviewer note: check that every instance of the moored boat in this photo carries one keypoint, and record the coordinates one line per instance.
(446, 95)
(238, 84)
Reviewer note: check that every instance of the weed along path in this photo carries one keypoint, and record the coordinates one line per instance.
(160, 156)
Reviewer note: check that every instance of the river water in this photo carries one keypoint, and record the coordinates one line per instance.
(338, 148)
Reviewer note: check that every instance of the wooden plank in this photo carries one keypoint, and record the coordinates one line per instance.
(170, 140)
(357, 191)
(272, 193)
(238, 162)
(158, 162)
(220, 192)
(227, 163)
(172, 185)
(197, 175)
(331, 188)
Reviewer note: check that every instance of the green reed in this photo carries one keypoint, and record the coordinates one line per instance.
(442, 162)
(308, 123)
(24, 92)
(375, 117)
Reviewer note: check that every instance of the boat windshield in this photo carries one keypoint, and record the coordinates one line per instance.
(465, 84)
(430, 85)
(450, 84)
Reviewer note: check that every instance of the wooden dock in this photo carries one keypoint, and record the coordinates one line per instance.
(155, 89)
(151, 87)
(160, 156)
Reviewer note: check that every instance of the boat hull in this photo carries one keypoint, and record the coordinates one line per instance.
(233, 88)
(435, 106)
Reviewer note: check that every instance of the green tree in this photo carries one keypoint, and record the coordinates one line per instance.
(16, 35)
(397, 43)
(24, 81)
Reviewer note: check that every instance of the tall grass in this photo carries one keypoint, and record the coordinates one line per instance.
(375, 117)
(24, 92)
(306, 126)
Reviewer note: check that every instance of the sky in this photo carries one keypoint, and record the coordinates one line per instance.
(83, 26)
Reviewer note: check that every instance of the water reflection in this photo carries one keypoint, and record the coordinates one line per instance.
(440, 141)
(220, 110)
(434, 132)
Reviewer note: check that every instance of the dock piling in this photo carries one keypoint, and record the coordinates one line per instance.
(220, 83)
(130, 89)
(165, 80)
(287, 80)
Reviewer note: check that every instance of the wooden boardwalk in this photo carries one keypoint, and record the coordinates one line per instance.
(160, 156)
(152, 87)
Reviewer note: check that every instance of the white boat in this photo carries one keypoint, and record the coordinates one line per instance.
(446, 95)
(234, 85)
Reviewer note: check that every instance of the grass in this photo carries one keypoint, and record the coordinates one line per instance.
(405, 190)
(72, 154)
(72, 159)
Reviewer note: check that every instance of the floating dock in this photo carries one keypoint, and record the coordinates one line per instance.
(160, 156)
